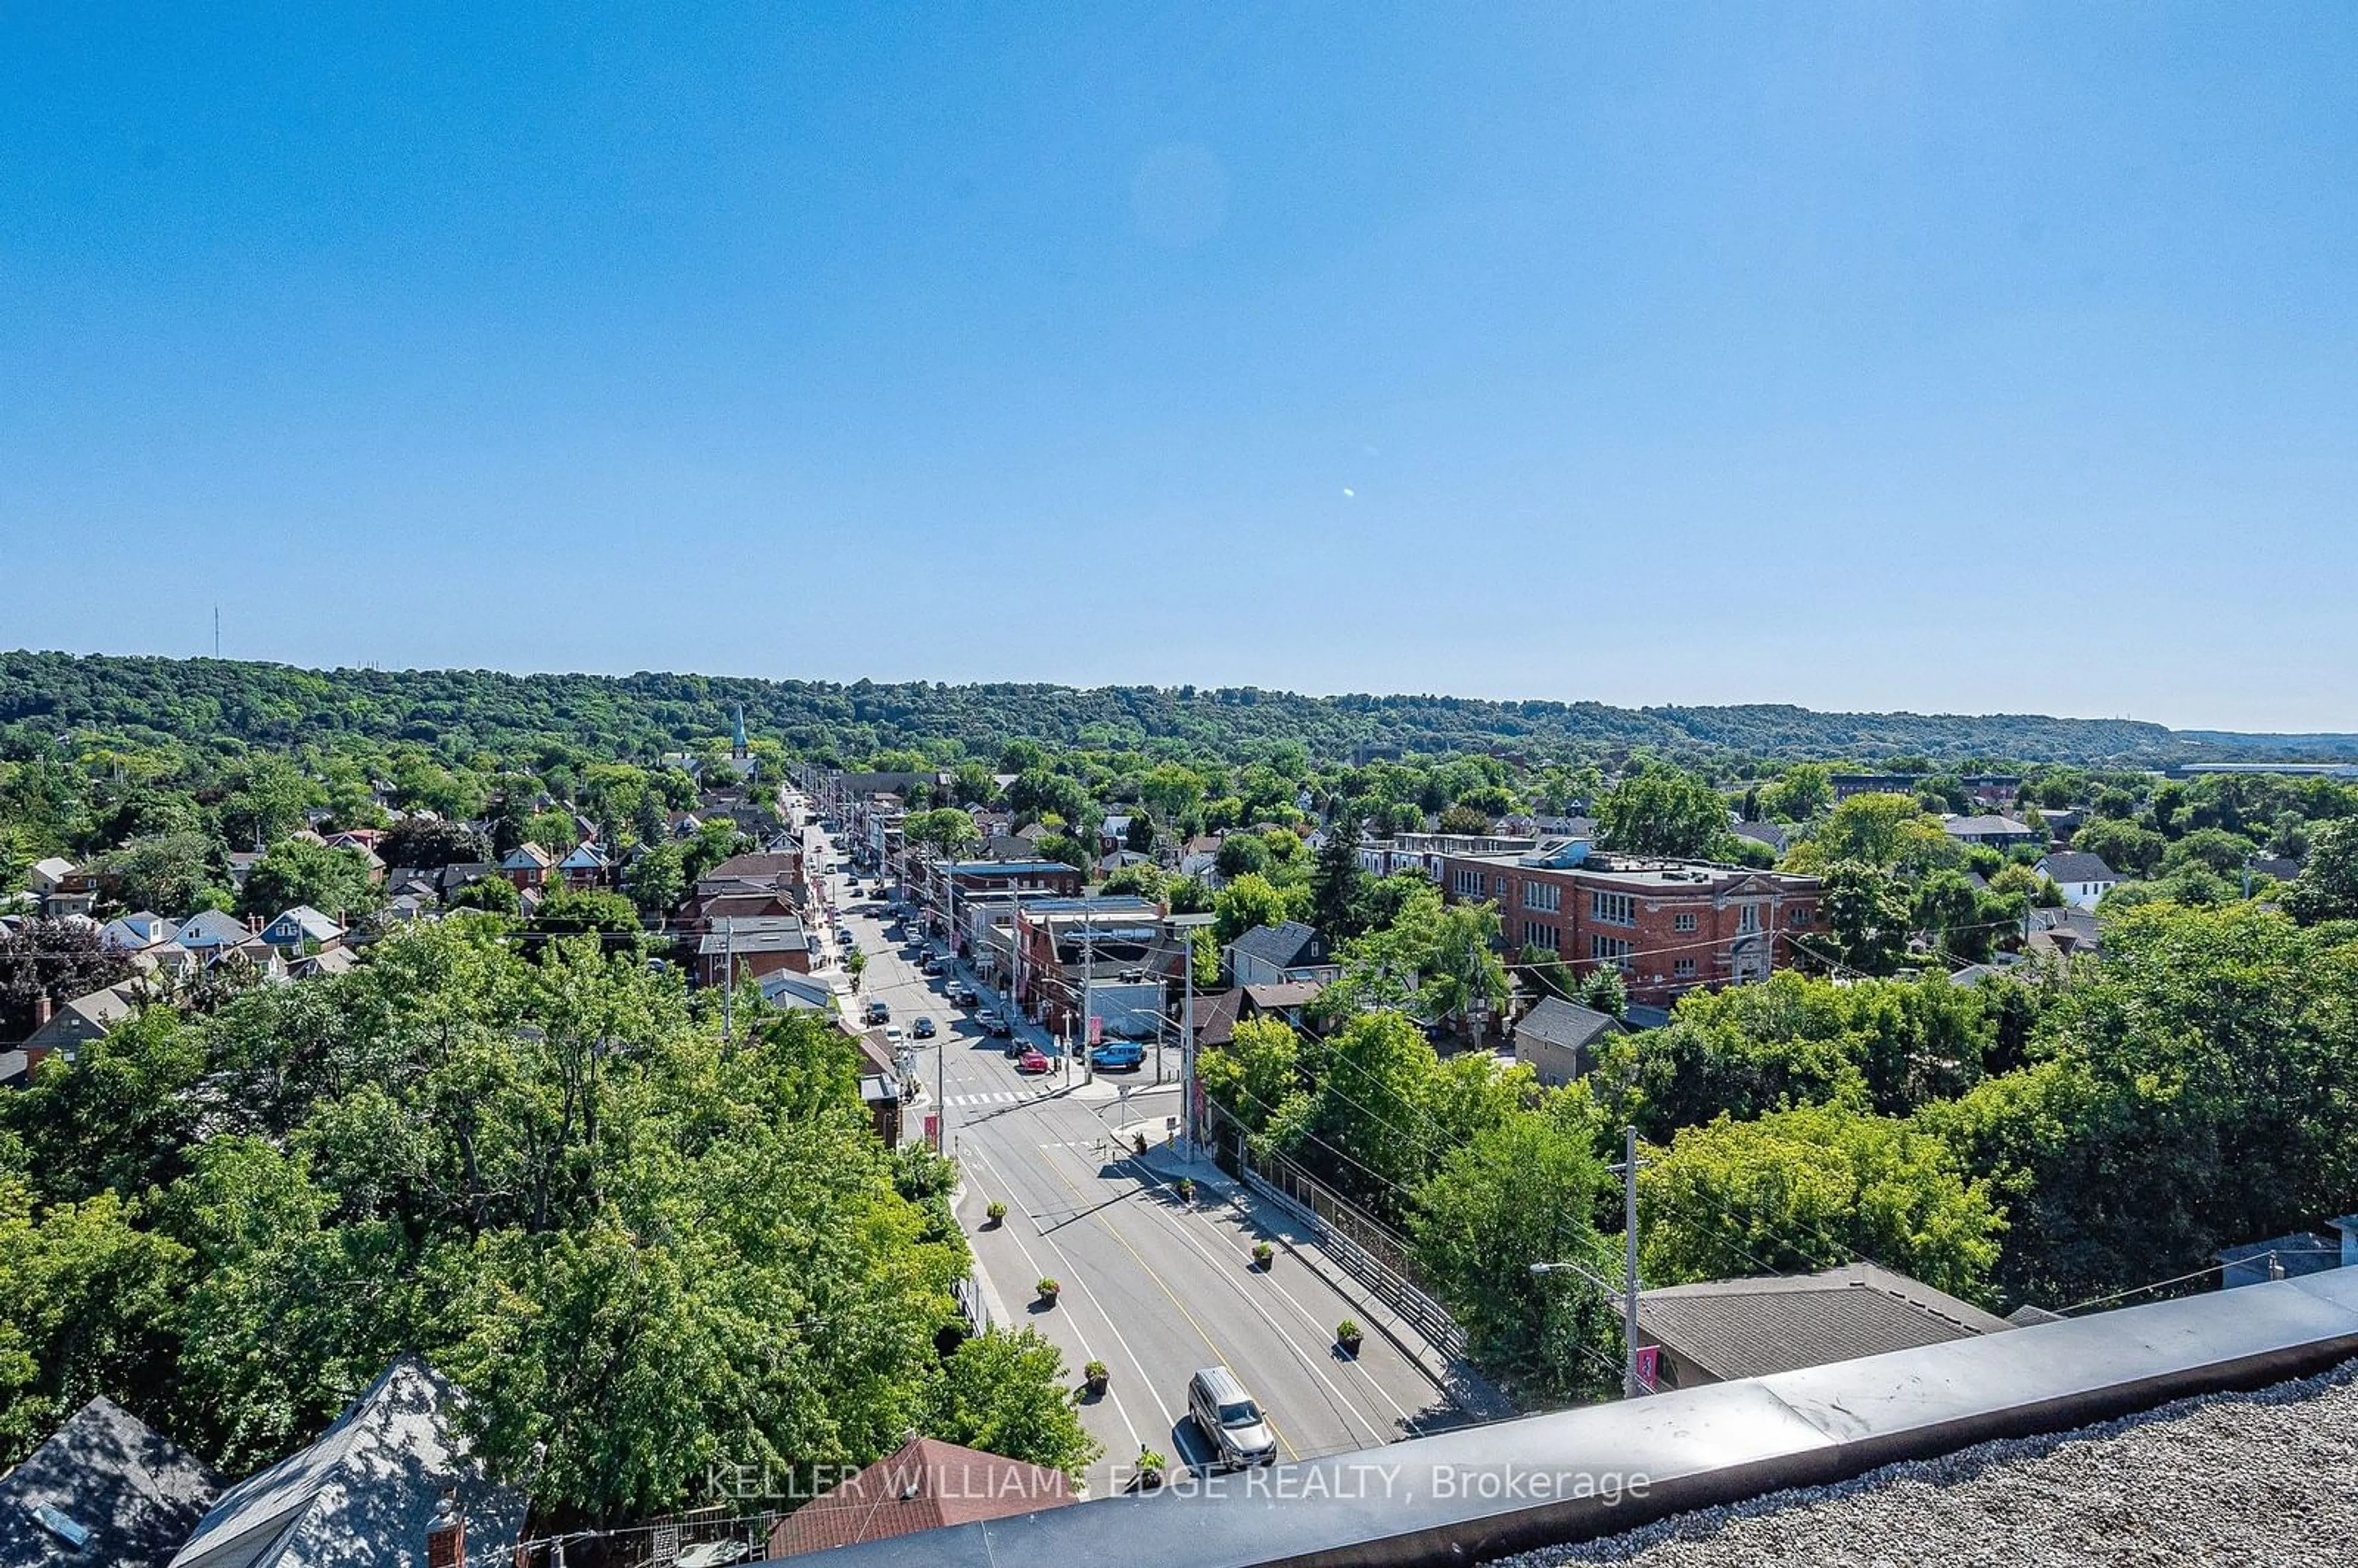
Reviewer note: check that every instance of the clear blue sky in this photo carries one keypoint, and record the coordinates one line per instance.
(1973, 357)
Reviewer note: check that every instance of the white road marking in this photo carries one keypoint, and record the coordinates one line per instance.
(1081, 1279)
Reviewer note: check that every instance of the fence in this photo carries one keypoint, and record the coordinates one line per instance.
(1360, 1245)
(967, 1293)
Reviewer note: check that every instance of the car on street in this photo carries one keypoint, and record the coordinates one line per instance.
(932, 964)
(962, 993)
(1229, 1420)
(892, 1035)
(994, 1023)
(1115, 1055)
(878, 1009)
(923, 1028)
(1032, 1061)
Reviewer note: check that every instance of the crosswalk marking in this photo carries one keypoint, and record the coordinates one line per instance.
(1001, 1096)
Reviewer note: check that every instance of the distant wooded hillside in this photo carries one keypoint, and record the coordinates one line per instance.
(462, 711)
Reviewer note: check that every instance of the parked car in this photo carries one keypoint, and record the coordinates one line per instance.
(892, 1035)
(1032, 1061)
(994, 1023)
(878, 1009)
(932, 964)
(1229, 1419)
(962, 993)
(1115, 1055)
(923, 1028)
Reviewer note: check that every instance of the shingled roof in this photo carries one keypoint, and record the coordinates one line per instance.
(1290, 945)
(2078, 866)
(135, 1493)
(372, 1478)
(923, 1484)
(1750, 1328)
(1562, 1023)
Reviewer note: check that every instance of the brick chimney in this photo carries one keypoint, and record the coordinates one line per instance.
(43, 1011)
(446, 1538)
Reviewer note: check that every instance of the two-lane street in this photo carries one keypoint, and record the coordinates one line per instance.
(1152, 1287)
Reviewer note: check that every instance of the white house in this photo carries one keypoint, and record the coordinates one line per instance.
(2083, 878)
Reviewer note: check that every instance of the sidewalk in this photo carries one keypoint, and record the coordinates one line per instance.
(1466, 1387)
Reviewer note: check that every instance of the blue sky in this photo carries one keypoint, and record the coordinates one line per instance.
(1974, 357)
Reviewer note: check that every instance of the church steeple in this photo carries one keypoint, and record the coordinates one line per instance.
(737, 734)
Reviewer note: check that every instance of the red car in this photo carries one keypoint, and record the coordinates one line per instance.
(1032, 1061)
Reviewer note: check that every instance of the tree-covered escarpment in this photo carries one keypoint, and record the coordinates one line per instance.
(464, 710)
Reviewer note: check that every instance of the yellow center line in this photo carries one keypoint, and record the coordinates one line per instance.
(1159, 1284)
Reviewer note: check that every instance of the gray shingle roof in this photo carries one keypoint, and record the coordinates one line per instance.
(1750, 1328)
(2078, 866)
(1287, 946)
(1985, 827)
(1561, 1023)
(137, 1493)
(365, 1492)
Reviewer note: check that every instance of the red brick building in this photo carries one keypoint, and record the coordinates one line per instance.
(1672, 926)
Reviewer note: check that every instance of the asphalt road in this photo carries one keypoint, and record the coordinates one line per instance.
(1153, 1288)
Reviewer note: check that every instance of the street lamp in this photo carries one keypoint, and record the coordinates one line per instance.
(1626, 1169)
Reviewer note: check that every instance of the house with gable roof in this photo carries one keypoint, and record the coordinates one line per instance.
(368, 1491)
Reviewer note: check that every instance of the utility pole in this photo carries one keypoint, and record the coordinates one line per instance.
(728, 980)
(1188, 1045)
(1629, 1172)
(1089, 973)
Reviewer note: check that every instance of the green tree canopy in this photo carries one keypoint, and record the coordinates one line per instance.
(296, 871)
(1809, 1189)
(1662, 811)
(1516, 1194)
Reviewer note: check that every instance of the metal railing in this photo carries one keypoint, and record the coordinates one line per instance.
(1361, 1246)
(967, 1293)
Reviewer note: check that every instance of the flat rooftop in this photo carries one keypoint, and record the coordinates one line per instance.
(2269, 1477)
(1634, 873)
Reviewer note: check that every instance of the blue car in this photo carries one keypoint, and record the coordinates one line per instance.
(1118, 1054)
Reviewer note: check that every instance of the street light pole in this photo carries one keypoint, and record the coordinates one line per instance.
(1626, 1169)
(1630, 1389)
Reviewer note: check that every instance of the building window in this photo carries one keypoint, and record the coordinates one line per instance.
(1468, 884)
(1538, 933)
(1498, 888)
(1684, 969)
(1683, 922)
(1748, 917)
(1613, 908)
(1612, 948)
(1545, 897)
(1800, 918)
